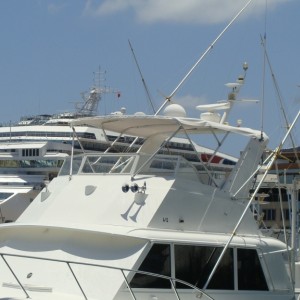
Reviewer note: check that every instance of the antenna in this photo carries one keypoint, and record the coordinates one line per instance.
(201, 58)
(93, 97)
(143, 80)
(226, 105)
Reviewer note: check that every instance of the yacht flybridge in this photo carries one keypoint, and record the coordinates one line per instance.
(145, 225)
(32, 151)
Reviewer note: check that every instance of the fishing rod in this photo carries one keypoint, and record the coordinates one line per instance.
(168, 98)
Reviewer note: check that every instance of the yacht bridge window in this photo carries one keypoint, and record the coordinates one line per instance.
(157, 261)
(250, 273)
(194, 263)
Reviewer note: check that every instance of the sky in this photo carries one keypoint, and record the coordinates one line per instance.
(52, 49)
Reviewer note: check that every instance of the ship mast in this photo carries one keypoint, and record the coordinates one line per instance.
(92, 99)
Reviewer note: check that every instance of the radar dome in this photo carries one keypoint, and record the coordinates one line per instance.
(139, 113)
(174, 110)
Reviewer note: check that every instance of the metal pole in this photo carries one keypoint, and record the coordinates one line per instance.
(201, 58)
(72, 156)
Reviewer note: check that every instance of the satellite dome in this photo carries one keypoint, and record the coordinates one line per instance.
(139, 113)
(174, 110)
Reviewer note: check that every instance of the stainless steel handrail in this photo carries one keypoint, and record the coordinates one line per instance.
(122, 270)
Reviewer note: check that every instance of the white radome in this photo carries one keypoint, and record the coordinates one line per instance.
(175, 110)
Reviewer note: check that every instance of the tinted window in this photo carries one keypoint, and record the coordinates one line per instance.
(157, 261)
(4, 196)
(194, 264)
(250, 273)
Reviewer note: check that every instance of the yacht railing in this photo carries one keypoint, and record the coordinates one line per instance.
(124, 163)
(133, 293)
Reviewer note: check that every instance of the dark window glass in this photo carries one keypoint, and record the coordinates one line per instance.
(286, 215)
(274, 194)
(194, 264)
(88, 135)
(4, 196)
(269, 214)
(250, 273)
(157, 261)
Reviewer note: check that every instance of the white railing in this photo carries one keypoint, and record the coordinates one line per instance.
(132, 291)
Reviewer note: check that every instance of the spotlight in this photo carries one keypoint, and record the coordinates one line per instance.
(125, 188)
(134, 188)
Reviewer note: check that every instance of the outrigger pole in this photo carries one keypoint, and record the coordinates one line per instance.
(142, 77)
(234, 232)
(168, 98)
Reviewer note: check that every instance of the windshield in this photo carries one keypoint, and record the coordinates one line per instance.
(126, 164)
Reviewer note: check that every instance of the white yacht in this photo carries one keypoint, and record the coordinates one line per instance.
(145, 225)
(32, 151)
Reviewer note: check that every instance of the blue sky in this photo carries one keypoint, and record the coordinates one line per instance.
(50, 50)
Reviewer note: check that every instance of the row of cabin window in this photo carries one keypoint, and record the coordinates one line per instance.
(86, 135)
(270, 214)
(30, 152)
(193, 264)
(276, 195)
